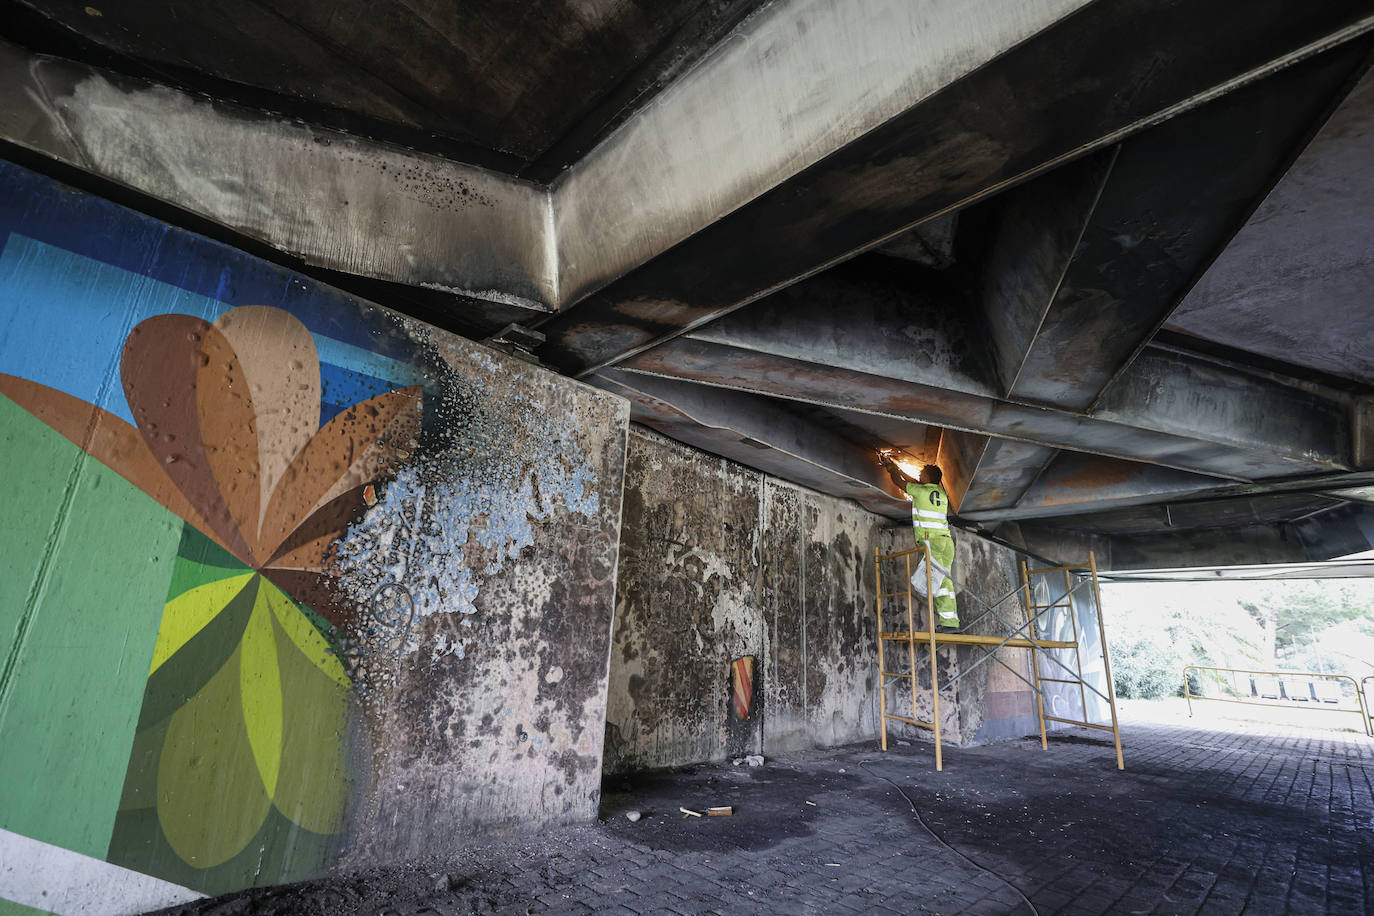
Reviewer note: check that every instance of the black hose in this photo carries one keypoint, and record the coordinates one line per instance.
(920, 820)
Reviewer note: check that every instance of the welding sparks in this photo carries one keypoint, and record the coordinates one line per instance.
(907, 464)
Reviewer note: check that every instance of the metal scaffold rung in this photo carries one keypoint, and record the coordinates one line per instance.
(1105, 728)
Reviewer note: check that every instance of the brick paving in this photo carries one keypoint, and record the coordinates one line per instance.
(1256, 819)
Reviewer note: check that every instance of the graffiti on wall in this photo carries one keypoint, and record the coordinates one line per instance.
(286, 566)
(227, 436)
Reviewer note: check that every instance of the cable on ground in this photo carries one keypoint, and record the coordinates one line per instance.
(920, 820)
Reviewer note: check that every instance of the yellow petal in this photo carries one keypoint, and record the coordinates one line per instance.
(260, 689)
(210, 798)
(314, 787)
(303, 634)
(185, 615)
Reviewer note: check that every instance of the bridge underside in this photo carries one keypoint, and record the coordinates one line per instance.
(1108, 263)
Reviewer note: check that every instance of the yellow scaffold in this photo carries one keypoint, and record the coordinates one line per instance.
(1047, 606)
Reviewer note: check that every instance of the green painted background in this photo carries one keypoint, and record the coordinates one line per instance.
(88, 559)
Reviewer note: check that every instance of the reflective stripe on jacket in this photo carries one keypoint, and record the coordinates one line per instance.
(929, 508)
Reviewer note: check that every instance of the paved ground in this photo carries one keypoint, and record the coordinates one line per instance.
(1258, 820)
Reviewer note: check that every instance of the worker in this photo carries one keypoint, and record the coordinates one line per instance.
(930, 523)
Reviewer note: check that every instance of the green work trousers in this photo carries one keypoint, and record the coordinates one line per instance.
(942, 553)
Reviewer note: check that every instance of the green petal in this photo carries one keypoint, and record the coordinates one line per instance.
(187, 614)
(260, 688)
(210, 797)
(313, 786)
(303, 634)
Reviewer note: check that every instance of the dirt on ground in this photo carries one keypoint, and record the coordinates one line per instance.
(1254, 819)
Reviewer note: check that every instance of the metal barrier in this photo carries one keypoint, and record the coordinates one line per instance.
(1276, 688)
(1369, 717)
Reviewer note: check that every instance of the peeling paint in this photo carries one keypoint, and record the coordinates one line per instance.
(478, 496)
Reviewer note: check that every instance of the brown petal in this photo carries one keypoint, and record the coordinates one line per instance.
(109, 440)
(282, 369)
(308, 545)
(352, 449)
(316, 590)
(161, 368)
(382, 457)
(228, 429)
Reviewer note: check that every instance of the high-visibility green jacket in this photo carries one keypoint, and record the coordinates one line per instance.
(929, 510)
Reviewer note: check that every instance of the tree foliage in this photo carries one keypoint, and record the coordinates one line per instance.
(1155, 630)
(1293, 612)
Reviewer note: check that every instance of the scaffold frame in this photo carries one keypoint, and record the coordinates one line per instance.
(930, 639)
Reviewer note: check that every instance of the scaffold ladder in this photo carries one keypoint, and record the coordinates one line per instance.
(1035, 613)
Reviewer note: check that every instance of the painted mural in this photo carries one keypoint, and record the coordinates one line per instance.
(267, 538)
(246, 703)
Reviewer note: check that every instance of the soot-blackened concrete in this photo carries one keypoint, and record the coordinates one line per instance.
(1258, 820)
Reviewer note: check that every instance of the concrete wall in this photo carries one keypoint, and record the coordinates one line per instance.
(297, 581)
(719, 561)
(293, 580)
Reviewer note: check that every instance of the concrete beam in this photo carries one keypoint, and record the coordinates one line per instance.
(997, 126)
(805, 99)
(755, 432)
(336, 201)
(794, 83)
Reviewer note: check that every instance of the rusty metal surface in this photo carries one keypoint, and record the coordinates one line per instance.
(1038, 228)
(1002, 124)
(1210, 515)
(1005, 471)
(1075, 483)
(1174, 392)
(1340, 532)
(1175, 196)
(957, 457)
(1313, 228)
(1209, 439)
(758, 433)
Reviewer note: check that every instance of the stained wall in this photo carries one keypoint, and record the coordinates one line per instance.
(719, 561)
(296, 581)
(293, 581)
